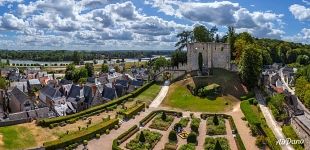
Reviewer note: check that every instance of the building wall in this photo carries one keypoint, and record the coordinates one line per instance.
(215, 55)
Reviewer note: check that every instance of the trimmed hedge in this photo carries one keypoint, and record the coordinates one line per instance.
(126, 135)
(129, 113)
(79, 136)
(170, 146)
(94, 110)
(151, 115)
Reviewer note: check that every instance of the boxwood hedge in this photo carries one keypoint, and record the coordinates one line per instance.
(96, 109)
(129, 113)
(79, 136)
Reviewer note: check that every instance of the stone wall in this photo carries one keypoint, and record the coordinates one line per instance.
(302, 131)
(215, 55)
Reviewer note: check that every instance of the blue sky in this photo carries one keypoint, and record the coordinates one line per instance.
(142, 25)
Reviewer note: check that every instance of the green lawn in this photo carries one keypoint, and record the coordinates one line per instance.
(180, 97)
(149, 94)
(16, 137)
(250, 112)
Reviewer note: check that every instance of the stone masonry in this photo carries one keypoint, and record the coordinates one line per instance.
(215, 55)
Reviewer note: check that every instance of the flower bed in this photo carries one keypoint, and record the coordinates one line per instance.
(195, 125)
(151, 138)
(213, 129)
(171, 146)
(160, 123)
(187, 147)
(184, 121)
(210, 143)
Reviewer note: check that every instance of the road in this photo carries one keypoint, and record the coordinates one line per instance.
(307, 112)
(271, 122)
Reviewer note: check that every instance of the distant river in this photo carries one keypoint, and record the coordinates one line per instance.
(49, 63)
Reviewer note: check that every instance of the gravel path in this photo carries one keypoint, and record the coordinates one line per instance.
(160, 97)
(202, 134)
(230, 137)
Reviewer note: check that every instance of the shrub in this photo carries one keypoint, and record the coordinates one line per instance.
(188, 147)
(192, 138)
(151, 139)
(184, 121)
(126, 135)
(172, 136)
(129, 113)
(97, 136)
(289, 132)
(85, 142)
(210, 143)
(213, 129)
(107, 131)
(170, 146)
(260, 141)
(160, 124)
(195, 125)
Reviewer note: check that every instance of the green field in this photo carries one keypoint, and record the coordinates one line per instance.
(180, 97)
(250, 112)
(149, 94)
(289, 132)
(16, 137)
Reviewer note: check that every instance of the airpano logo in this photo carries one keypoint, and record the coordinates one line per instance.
(289, 141)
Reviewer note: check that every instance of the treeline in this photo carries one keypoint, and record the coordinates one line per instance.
(66, 55)
(302, 85)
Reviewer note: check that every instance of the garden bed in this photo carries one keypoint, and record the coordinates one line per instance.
(188, 147)
(210, 143)
(162, 123)
(216, 127)
(150, 140)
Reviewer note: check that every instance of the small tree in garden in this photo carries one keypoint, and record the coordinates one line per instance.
(217, 146)
(192, 138)
(142, 137)
(164, 116)
(215, 120)
(173, 136)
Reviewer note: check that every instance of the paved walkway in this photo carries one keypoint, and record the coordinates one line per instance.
(271, 122)
(202, 134)
(244, 131)
(230, 136)
(160, 97)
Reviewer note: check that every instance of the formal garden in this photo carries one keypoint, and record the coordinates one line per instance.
(217, 93)
(182, 132)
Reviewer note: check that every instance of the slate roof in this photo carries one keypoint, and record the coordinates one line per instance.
(20, 85)
(18, 115)
(122, 82)
(51, 92)
(64, 82)
(109, 93)
(19, 95)
(75, 92)
(43, 112)
(136, 83)
(120, 90)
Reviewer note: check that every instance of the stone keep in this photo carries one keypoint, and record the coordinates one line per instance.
(214, 55)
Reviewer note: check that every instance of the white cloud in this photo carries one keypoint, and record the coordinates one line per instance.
(4, 2)
(300, 12)
(302, 37)
(11, 22)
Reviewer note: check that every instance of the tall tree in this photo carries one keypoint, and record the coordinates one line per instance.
(243, 39)
(104, 68)
(218, 146)
(250, 65)
(231, 35)
(184, 38)
(201, 34)
(90, 69)
(70, 72)
(3, 83)
(76, 57)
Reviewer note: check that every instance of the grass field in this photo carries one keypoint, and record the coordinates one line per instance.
(180, 97)
(16, 137)
(149, 94)
(250, 112)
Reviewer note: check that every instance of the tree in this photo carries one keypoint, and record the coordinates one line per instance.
(283, 48)
(160, 62)
(242, 41)
(90, 69)
(250, 66)
(3, 83)
(303, 60)
(172, 136)
(201, 34)
(178, 57)
(163, 116)
(217, 38)
(142, 137)
(76, 57)
(184, 38)
(117, 69)
(70, 72)
(217, 145)
(104, 68)
(200, 61)
(231, 35)
(215, 120)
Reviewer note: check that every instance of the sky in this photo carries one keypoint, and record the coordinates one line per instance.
(142, 24)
